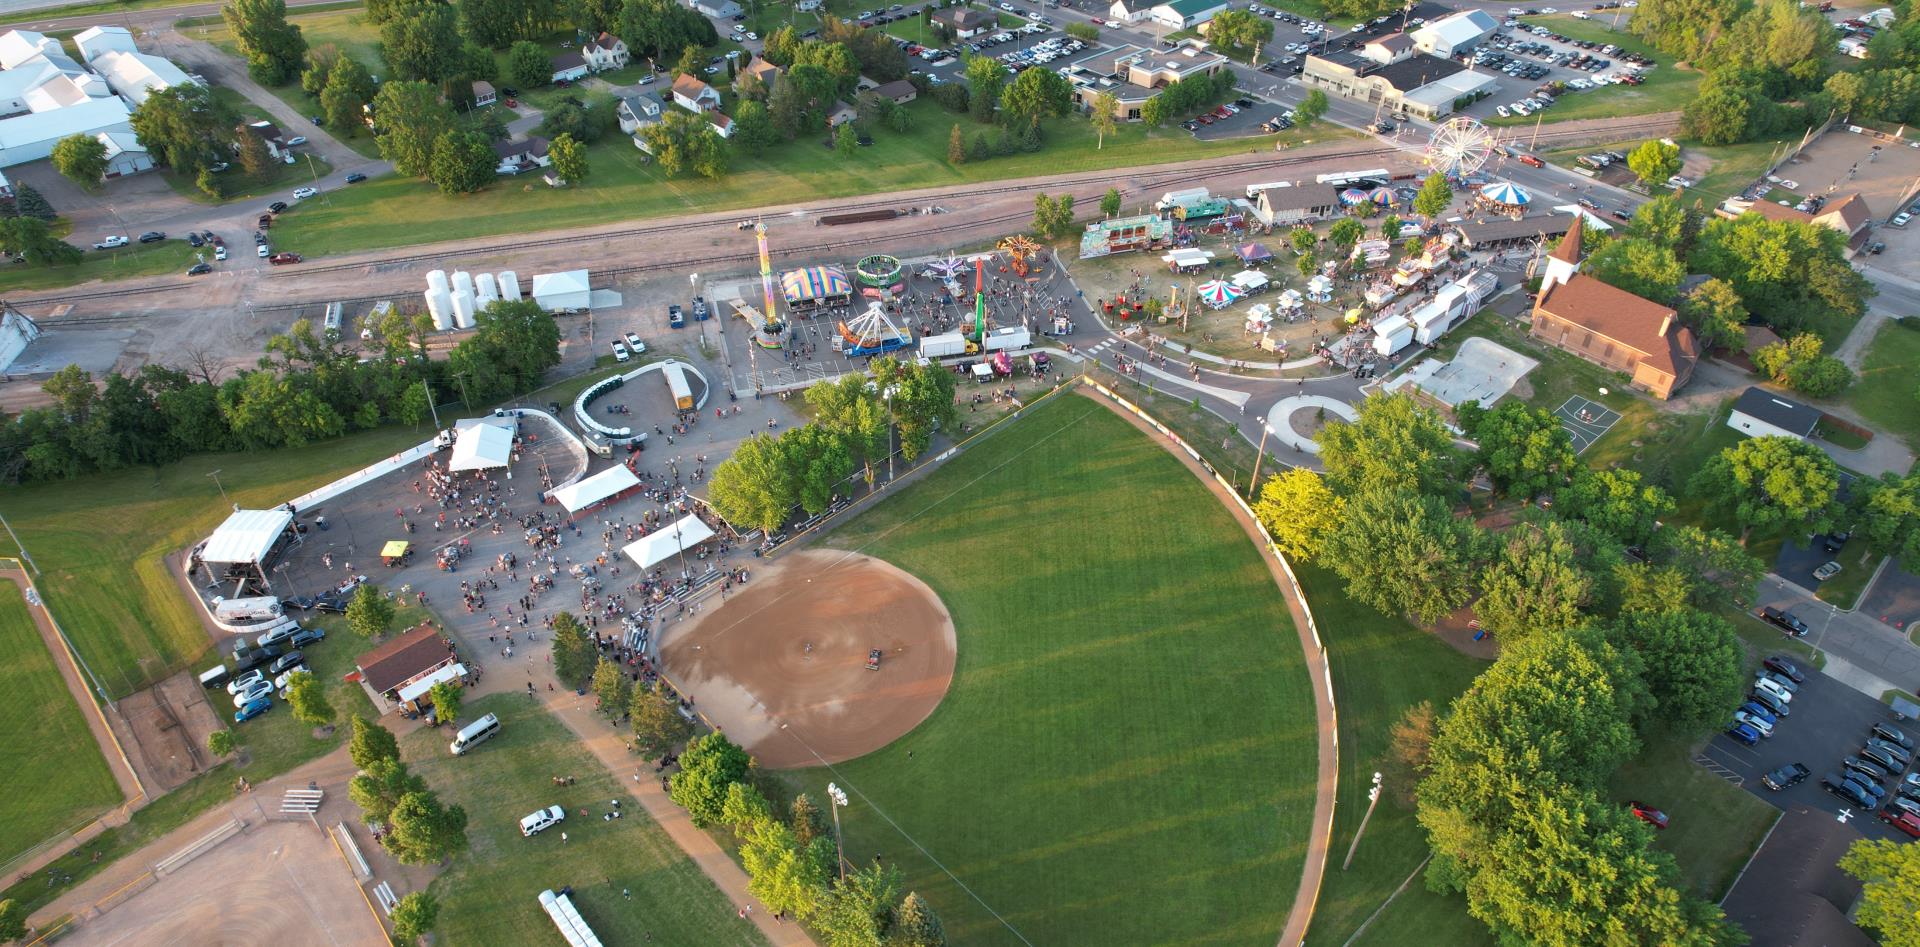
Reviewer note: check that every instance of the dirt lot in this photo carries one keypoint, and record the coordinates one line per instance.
(170, 723)
(789, 653)
(276, 883)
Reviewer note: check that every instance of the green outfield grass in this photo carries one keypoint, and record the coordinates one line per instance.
(490, 895)
(1127, 753)
(54, 777)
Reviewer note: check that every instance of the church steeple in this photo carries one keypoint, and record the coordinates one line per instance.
(1564, 261)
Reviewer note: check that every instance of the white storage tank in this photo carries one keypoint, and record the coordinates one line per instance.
(485, 290)
(462, 282)
(463, 310)
(437, 279)
(440, 306)
(509, 285)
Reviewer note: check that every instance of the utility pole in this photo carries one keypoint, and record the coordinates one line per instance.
(839, 798)
(430, 406)
(1258, 454)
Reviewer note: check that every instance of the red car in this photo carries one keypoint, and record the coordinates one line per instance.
(1222, 112)
(1648, 814)
(1096, 21)
(1904, 821)
(281, 258)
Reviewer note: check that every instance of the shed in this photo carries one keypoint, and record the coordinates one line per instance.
(1762, 413)
(406, 659)
(562, 292)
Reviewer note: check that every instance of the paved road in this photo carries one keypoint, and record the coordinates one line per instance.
(1861, 651)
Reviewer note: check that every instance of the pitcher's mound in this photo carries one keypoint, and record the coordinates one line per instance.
(749, 665)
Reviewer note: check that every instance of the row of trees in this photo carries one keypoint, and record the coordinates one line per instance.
(420, 828)
(1766, 63)
(759, 486)
(307, 388)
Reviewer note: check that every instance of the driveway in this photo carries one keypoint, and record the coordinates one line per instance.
(1894, 599)
(1829, 721)
(1798, 559)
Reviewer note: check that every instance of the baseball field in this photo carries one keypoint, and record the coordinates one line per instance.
(1126, 754)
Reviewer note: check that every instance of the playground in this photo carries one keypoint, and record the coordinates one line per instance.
(782, 665)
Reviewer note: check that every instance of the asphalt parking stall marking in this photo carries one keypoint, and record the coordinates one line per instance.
(1586, 421)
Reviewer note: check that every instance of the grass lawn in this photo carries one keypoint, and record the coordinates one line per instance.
(1715, 824)
(1668, 87)
(1885, 393)
(1381, 666)
(1129, 742)
(135, 259)
(625, 185)
(490, 895)
(101, 539)
(56, 780)
(1857, 567)
(344, 27)
(235, 183)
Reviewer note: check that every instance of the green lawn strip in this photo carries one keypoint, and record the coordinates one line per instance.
(1715, 825)
(623, 184)
(1840, 437)
(54, 777)
(270, 745)
(490, 894)
(1887, 698)
(1885, 394)
(101, 539)
(1762, 639)
(1857, 565)
(1120, 700)
(1381, 666)
(1667, 88)
(128, 262)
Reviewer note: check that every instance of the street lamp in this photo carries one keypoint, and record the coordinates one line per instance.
(1373, 798)
(215, 474)
(839, 798)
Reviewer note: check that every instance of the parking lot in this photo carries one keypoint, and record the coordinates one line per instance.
(1828, 722)
(1533, 58)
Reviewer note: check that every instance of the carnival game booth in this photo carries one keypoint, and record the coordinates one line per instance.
(816, 287)
(607, 486)
(240, 550)
(674, 539)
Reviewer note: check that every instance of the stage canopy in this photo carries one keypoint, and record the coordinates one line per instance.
(668, 541)
(480, 446)
(815, 283)
(604, 485)
(247, 536)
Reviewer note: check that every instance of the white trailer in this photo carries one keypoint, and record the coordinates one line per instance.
(1191, 195)
(1253, 190)
(676, 376)
(1011, 338)
(1392, 335)
(941, 346)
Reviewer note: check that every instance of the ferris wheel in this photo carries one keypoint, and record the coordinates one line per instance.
(1459, 146)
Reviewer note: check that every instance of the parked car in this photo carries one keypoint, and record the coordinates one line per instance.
(153, 236)
(275, 636)
(1760, 726)
(252, 692)
(1827, 571)
(1847, 790)
(302, 193)
(1792, 774)
(1779, 664)
(276, 207)
(252, 710)
(279, 259)
(285, 661)
(296, 141)
(634, 344)
(540, 821)
(355, 178)
(1904, 821)
(110, 243)
(199, 269)
(1891, 735)
(1773, 705)
(1786, 683)
(285, 677)
(306, 636)
(245, 681)
(1763, 685)
(1744, 734)
(263, 251)
(1835, 541)
(1785, 620)
(620, 351)
(195, 240)
(1755, 709)
(1648, 814)
(219, 253)
(1896, 758)
(1866, 769)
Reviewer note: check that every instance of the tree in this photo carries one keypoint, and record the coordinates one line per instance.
(569, 158)
(858, 909)
(1885, 514)
(1409, 747)
(445, 697)
(1717, 116)
(1434, 197)
(1394, 441)
(513, 345)
(1640, 267)
(574, 655)
(683, 141)
(1665, 221)
(1310, 108)
(370, 612)
(916, 925)
(1771, 482)
(1654, 161)
(1401, 552)
(222, 742)
(371, 743)
(610, 689)
(1693, 663)
(380, 786)
(527, 64)
(1390, 227)
(710, 764)
(806, 819)
(1100, 113)
(28, 202)
(1723, 573)
(1715, 314)
(657, 725)
(307, 696)
(1524, 449)
(422, 43)
(1797, 363)
(1110, 202)
(985, 75)
(1036, 94)
(844, 143)
(744, 807)
(183, 127)
(1889, 873)
(1053, 216)
(1344, 233)
(425, 830)
(851, 408)
(32, 238)
(1154, 111)
(463, 162)
(408, 118)
(1239, 32)
(956, 146)
(782, 873)
(1616, 502)
(1298, 511)
(13, 922)
(923, 401)
(81, 159)
(1535, 586)
(753, 487)
(753, 129)
(414, 915)
(255, 159)
(273, 48)
(344, 98)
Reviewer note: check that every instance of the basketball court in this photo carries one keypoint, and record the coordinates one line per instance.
(1586, 421)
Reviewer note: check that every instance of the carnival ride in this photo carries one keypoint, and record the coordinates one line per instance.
(880, 275)
(769, 331)
(1019, 248)
(873, 333)
(1458, 147)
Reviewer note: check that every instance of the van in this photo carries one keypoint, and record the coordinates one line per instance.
(473, 734)
(215, 677)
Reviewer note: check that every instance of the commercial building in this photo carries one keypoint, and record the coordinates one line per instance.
(1390, 71)
(1185, 14)
(1761, 413)
(1134, 74)
(1611, 327)
(1302, 202)
(966, 22)
(45, 95)
(1456, 34)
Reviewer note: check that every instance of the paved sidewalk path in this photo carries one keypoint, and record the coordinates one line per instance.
(1301, 913)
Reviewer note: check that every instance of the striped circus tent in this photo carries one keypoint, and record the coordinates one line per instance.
(815, 283)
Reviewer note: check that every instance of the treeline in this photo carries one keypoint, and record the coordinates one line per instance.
(308, 387)
(854, 421)
(790, 856)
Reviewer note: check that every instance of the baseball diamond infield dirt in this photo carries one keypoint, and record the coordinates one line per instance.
(781, 665)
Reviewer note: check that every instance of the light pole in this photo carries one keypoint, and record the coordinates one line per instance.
(1254, 484)
(1373, 798)
(839, 798)
(215, 474)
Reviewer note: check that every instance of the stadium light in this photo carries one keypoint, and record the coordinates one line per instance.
(839, 799)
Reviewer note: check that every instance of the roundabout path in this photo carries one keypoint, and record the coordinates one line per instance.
(1280, 418)
(1326, 739)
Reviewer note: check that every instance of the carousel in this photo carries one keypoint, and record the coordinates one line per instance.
(1504, 197)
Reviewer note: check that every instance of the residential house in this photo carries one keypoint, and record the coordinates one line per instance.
(1611, 327)
(637, 110)
(1762, 413)
(398, 673)
(721, 124)
(718, 9)
(1129, 11)
(521, 156)
(569, 67)
(1185, 14)
(484, 93)
(693, 95)
(95, 40)
(966, 22)
(840, 114)
(763, 71)
(899, 91)
(270, 134)
(1451, 36)
(606, 52)
(1848, 214)
(807, 6)
(125, 154)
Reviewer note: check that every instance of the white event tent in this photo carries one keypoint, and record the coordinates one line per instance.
(246, 537)
(600, 487)
(676, 537)
(480, 446)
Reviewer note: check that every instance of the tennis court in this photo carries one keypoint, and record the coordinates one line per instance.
(1586, 420)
